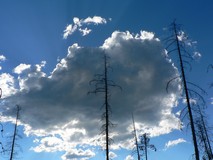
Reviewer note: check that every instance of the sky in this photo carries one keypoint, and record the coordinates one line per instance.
(50, 50)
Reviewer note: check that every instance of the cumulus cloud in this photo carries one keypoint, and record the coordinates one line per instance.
(7, 85)
(173, 143)
(58, 105)
(79, 24)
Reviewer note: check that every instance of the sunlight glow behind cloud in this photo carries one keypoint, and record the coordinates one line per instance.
(138, 66)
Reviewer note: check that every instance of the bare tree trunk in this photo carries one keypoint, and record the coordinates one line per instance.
(136, 140)
(145, 144)
(15, 133)
(187, 97)
(203, 138)
(106, 106)
(204, 135)
(102, 85)
(207, 138)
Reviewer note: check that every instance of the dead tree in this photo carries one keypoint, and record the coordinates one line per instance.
(203, 135)
(144, 145)
(2, 148)
(135, 137)
(102, 85)
(176, 44)
(14, 133)
(203, 142)
(0, 92)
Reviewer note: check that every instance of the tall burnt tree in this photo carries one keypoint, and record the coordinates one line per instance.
(135, 138)
(14, 134)
(102, 85)
(2, 148)
(10, 149)
(145, 145)
(0, 92)
(203, 135)
(176, 43)
(1, 144)
(203, 142)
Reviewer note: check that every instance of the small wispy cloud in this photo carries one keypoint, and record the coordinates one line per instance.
(197, 55)
(79, 25)
(2, 58)
(85, 31)
(70, 29)
(94, 20)
(173, 143)
(211, 100)
(21, 67)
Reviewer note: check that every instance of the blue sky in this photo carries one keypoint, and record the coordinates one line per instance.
(51, 49)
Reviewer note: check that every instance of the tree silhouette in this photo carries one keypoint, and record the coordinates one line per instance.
(15, 133)
(144, 145)
(135, 137)
(11, 144)
(2, 148)
(102, 85)
(176, 43)
(203, 136)
(0, 92)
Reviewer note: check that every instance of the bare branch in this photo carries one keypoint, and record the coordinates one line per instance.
(102, 85)
(170, 81)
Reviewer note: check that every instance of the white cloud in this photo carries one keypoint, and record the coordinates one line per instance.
(197, 55)
(79, 23)
(138, 66)
(20, 68)
(70, 29)
(129, 157)
(94, 20)
(85, 31)
(78, 154)
(49, 144)
(40, 66)
(2, 58)
(7, 85)
(146, 35)
(173, 143)
(76, 21)
(112, 155)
